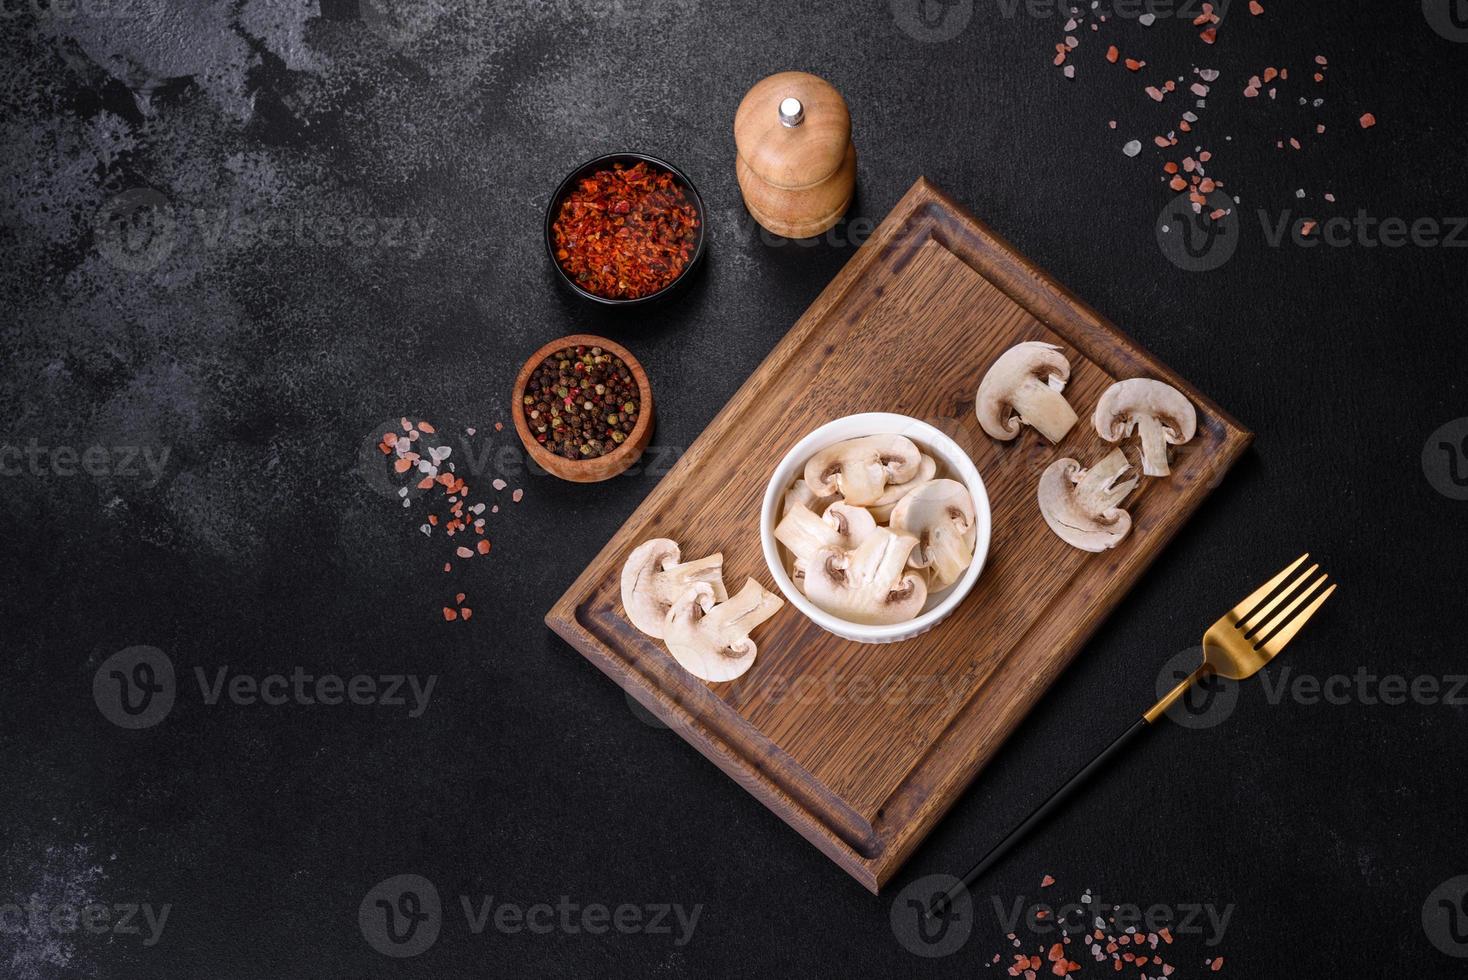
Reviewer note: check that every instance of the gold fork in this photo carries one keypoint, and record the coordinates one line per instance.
(1241, 642)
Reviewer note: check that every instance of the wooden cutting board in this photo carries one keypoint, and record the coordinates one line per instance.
(861, 748)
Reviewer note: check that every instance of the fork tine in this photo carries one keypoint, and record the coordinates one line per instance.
(1251, 625)
(1257, 596)
(1284, 614)
(1284, 636)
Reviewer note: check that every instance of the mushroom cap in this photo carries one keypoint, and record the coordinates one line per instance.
(652, 578)
(1082, 506)
(870, 585)
(882, 509)
(859, 469)
(1163, 415)
(1024, 387)
(940, 514)
(800, 495)
(853, 524)
(711, 641)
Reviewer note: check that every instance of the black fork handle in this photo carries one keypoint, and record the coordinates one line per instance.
(1034, 819)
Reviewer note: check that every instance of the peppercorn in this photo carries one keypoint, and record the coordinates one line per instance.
(586, 398)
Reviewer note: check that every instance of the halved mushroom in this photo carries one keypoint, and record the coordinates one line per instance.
(1081, 506)
(800, 495)
(859, 469)
(652, 580)
(869, 585)
(940, 515)
(712, 641)
(1024, 387)
(843, 527)
(1162, 414)
(882, 509)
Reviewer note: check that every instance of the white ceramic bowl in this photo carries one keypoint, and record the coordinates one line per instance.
(953, 463)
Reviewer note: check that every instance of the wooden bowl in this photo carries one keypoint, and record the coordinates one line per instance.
(598, 467)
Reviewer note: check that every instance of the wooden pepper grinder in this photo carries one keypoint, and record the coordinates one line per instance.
(795, 160)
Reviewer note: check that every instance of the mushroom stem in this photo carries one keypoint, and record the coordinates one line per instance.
(1154, 446)
(1100, 492)
(947, 557)
(804, 533)
(1045, 408)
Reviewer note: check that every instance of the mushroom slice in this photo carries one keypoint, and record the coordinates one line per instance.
(1081, 506)
(711, 641)
(853, 524)
(882, 509)
(940, 515)
(799, 495)
(652, 579)
(869, 585)
(1162, 414)
(842, 527)
(859, 469)
(1024, 387)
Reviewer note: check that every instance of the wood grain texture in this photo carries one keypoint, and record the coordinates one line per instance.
(597, 468)
(862, 749)
(797, 181)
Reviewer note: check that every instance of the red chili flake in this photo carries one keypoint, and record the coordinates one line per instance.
(1046, 882)
(1255, 7)
(1367, 120)
(1134, 65)
(1111, 54)
(450, 614)
(1306, 227)
(626, 232)
(1210, 35)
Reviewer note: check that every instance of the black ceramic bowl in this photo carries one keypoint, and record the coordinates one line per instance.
(602, 163)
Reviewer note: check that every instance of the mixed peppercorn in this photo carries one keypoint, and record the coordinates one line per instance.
(626, 232)
(581, 402)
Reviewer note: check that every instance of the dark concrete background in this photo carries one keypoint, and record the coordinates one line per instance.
(262, 367)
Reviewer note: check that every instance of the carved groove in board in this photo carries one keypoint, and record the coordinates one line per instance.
(724, 731)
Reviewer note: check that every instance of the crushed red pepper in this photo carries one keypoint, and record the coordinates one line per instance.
(626, 232)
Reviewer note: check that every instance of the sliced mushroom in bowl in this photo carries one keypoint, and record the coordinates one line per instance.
(853, 584)
(940, 516)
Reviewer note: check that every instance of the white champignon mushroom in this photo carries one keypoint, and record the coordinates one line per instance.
(882, 509)
(1083, 506)
(711, 641)
(653, 579)
(1160, 413)
(1024, 387)
(843, 526)
(940, 515)
(853, 524)
(860, 469)
(869, 585)
(799, 495)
